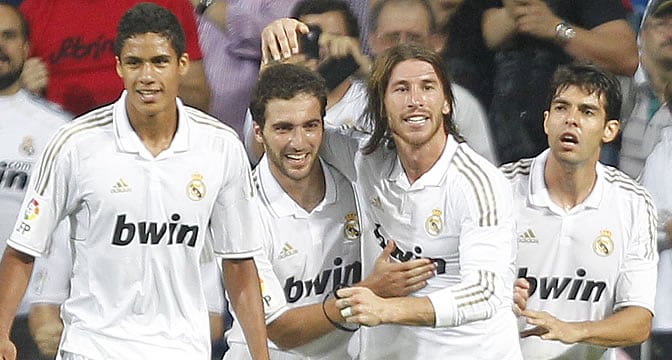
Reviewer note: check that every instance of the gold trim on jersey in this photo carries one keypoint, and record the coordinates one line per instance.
(480, 183)
(95, 119)
(434, 223)
(196, 187)
(603, 244)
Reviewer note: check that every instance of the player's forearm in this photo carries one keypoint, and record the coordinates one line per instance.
(412, 311)
(15, 270)
(301, 325)
(610, 331)
(242, 284)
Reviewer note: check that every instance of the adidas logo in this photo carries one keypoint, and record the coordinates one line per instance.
(120, 186)
(287, 250)
(528, 237)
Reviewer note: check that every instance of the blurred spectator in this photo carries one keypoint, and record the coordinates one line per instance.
(230, 36)
(73, 41)
(645, 115)
(27, 123)
(656, 178)
(533, 37)
(470, 62)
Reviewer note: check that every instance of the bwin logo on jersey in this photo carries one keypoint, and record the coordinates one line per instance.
(296, 289)
(404, 256)
(554, 287)
(151, 233)
(14, 174)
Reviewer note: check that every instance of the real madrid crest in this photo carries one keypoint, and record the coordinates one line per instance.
(196, 187)
(434, 223)
(604, 245)
(27, 146)
(351, 227)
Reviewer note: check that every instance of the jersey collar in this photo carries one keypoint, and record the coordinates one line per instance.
(433, 177)
(129, 141)
(283, 205)
(538, 192)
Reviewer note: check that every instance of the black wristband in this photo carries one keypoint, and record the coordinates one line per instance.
(336, 324)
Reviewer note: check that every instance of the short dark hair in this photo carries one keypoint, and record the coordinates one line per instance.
(593, 80)
(25, 29)
(310, 7)
(376, 114)
(374, 14)
(285, 81)
(150, 18)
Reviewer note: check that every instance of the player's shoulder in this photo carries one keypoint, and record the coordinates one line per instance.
(471, 165)
(79, 129)
(517, 170)
(622, 184)
(209, 125)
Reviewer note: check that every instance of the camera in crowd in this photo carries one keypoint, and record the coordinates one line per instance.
(333, 70)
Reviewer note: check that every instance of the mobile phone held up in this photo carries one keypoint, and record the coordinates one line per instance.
(333, 70)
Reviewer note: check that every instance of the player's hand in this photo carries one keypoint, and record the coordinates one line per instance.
(359, 305)
(521, 293)
(535, 18)
(7, 349)
(35, 75)
(280, 39)
(390, 278)
(47, 338)
(549, 327)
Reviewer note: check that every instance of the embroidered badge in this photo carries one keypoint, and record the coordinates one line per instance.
(196, 187)
(604, 245)
(434, 223)
(351, 227)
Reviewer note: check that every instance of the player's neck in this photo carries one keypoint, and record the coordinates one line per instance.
(419, 159)
(155, 132)
(307, 192)
(569, 185)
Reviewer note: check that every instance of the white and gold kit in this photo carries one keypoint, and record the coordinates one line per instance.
(459, 214)
(139, 226)
(305, 256)
(585, 263)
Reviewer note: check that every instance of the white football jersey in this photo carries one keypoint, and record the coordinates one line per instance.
(459, 215)
(139, 226)
(305, 256)
(585, 263)
(26, 124)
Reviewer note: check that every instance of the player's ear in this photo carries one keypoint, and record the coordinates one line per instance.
(257, 132)
(545, 120)
(611, 129)
(118, 66)
(183, 63)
